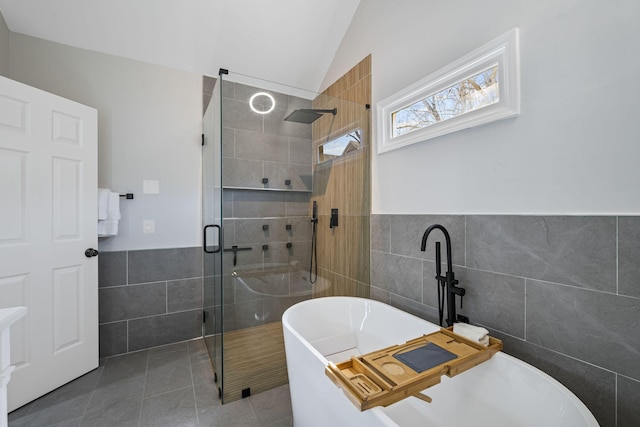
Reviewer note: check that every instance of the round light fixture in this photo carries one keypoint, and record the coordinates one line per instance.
(262, 111)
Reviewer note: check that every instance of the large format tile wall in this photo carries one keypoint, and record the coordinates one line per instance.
(270, 277)
(257, 146)
(269, 218)
(149, 298)
(562, 292)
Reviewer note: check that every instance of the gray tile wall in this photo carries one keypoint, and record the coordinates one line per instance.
(259, 146)
(272, 279)
(254, 147)
(562, 292)
(149, 298)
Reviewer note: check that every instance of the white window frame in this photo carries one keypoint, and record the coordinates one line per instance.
(502, 51)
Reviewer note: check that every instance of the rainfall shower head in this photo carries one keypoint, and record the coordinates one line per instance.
(308, 116)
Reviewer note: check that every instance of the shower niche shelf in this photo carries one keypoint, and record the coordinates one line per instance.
(384, 377)
(283, 190)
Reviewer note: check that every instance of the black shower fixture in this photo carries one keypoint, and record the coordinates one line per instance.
(308, 116)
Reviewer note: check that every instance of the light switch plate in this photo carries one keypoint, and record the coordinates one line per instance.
(148, 226)
(150, 187)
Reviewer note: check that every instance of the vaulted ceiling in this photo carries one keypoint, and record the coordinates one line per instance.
(287, 41)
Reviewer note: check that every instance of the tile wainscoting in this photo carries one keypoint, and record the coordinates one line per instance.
(149, 298)
(562, 292)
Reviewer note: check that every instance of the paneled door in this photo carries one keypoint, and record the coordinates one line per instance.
(48, 220)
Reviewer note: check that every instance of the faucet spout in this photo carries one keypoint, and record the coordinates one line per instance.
(448, 282)
(428, 231)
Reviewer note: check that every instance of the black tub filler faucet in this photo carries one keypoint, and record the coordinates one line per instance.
(448, 282)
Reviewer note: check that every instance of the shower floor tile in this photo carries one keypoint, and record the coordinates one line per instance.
(163, 386)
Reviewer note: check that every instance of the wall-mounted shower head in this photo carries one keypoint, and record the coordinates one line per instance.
(308, 116)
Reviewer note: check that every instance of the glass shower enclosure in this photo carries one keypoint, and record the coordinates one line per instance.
(259, 152)
(212, 231)
(257, 183)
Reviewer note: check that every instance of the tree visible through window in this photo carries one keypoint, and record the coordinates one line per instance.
(468, 95)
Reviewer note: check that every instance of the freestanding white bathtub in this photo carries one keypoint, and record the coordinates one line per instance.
(503, 391)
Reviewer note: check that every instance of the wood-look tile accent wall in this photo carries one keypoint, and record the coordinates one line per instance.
(344, 183)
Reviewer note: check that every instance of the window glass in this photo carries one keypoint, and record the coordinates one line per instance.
(467, 95)
(340, 146)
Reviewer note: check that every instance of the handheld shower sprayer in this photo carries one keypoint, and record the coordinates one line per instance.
(314, 251)
(314, 214)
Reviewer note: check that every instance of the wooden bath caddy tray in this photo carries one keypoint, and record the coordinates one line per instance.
(381, 379)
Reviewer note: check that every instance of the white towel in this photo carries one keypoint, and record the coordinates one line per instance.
(472, 333)
(103, 203)
(113, 212)
(109, 226)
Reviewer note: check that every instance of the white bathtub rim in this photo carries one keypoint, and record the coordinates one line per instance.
(296, 334)
(586, 414)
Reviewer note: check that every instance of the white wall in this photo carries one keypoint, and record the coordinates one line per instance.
(4, 47)
(149, 127)
(575, 149)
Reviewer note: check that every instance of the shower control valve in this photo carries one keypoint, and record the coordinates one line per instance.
(333, 220)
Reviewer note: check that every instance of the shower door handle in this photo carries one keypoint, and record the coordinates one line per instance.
(204, 239)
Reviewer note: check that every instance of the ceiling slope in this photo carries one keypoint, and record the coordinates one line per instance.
(287, 41)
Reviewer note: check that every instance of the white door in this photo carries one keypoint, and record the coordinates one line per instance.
(48, 218)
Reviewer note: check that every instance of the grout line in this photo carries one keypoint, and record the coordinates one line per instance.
(617, 256)
(193, 385)
(422, 284)
(586, 289)
(525, 309)
(154, 315)
(144, 389)
(568, 356)
(465, 241)
(93, 391)
(538, 280)
(433, 261)
(390, 239)
(627, 377)
(255, 414)
(234, 136)
(154, 283)
(615, 402)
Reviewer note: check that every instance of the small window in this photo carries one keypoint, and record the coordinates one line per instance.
(338, 147)
(468, 95)
(480, 88)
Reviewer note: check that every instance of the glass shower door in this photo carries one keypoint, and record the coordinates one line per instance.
(212, 233)
(269, 183)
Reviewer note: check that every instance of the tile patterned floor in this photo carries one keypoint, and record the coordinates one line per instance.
(164, 386)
